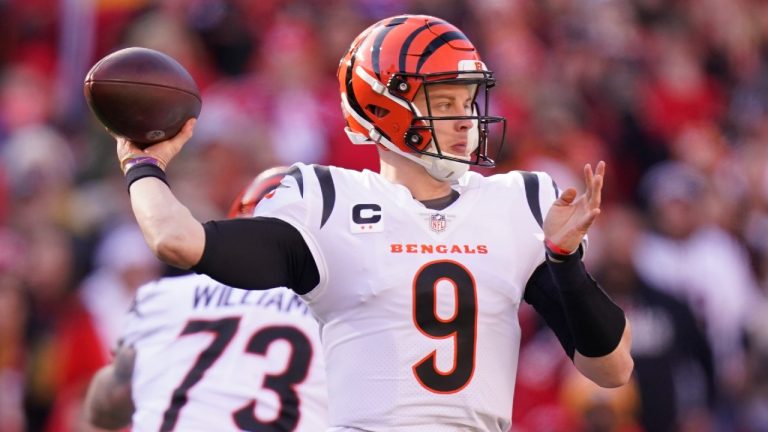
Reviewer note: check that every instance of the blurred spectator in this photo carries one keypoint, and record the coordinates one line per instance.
(164, 28)
(13, 316)
(41, 168)
(14, 313)
(679, 91)
(123, 262)
(89, 331)
(25, 99)
(674, 368)
(752, 162)
(688, 256)
(228, 146)
(48, 270)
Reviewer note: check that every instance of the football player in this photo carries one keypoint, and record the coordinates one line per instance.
(199, 355)
(416, 272)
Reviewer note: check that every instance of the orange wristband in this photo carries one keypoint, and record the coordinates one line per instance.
(555, 249)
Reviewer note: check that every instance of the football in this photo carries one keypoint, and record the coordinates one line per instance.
(141, 94)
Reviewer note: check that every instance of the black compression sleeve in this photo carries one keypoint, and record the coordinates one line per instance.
(257, 253)
(596, 322)
(544, 296)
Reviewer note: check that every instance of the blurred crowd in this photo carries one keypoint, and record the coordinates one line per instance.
(673, 94)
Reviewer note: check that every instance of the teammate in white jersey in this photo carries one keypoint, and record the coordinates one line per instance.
(415, 273)
(197, 355)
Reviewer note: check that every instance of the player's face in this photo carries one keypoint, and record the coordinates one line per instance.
(449, 100)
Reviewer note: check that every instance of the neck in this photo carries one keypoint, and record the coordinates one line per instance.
(399, 170)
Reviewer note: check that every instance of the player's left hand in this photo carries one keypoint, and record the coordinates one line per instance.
(571, 215)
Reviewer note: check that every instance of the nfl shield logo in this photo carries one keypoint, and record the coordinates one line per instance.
(437, 222)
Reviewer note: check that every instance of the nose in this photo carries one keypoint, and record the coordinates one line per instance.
(463, 125)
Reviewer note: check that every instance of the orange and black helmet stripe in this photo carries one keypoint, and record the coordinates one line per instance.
(351, 98)
(379, 39)
(436, 44)
(430, 49)
(409, 40)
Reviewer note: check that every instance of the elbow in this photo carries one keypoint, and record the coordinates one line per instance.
(170, 249)
(617, 367)
(609, 371)
(619, 375)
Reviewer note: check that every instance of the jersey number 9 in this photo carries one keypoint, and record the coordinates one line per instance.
(461, 326)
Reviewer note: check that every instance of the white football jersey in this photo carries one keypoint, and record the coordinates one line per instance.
(213, 358)
(417, 307)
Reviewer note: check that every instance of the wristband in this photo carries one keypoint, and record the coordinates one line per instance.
(133, 160)
(557, 250)
(139, 171)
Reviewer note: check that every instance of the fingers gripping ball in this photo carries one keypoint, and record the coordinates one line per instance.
(141, 94)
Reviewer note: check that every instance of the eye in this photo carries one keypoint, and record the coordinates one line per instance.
(442, 106)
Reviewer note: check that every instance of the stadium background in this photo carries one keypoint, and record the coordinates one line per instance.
(673, 94)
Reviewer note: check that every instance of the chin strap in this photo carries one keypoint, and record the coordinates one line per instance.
(442, 169)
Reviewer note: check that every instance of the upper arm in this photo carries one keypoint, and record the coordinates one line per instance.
(258, 253)
(270, 249)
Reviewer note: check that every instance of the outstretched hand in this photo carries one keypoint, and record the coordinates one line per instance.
(162, 151)
(570, 216)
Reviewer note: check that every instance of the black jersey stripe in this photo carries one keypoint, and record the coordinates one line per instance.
(436, 44)
(557, 190)
(376, 49)
(295, 172)
(327, 189)
(531, 182)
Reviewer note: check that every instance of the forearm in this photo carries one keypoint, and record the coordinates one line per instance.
(171, 231)
(600, 330)
(612, 369)
(108, 403)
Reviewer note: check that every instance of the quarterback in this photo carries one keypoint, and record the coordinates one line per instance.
(415, 273)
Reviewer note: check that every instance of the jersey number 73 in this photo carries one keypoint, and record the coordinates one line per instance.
(283, 384)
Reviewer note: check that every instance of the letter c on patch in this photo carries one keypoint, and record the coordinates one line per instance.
(366, 213)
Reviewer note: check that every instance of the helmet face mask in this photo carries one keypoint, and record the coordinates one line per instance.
(477, 135)
(388, 65)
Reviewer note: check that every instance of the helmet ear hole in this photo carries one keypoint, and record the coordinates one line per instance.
(417, 139)
(398, 85)
(378, 111)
